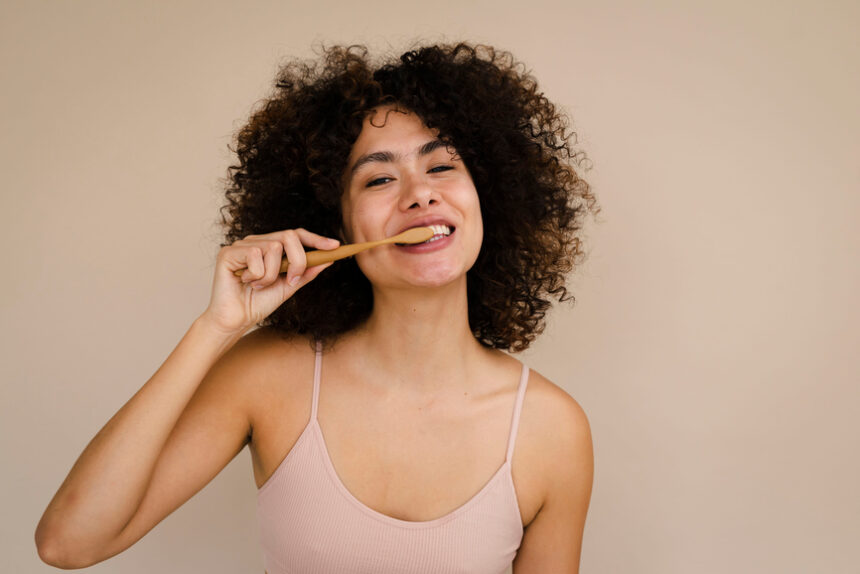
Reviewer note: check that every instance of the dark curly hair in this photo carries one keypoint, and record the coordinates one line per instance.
(516, 144)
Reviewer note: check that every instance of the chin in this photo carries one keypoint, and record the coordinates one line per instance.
(429, 276)
(435, 282)
(435, 278)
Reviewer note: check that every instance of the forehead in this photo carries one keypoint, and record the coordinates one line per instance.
(387, 128)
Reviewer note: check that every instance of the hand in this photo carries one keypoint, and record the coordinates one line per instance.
(239, 303)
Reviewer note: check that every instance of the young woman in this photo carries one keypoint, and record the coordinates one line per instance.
(388, 430)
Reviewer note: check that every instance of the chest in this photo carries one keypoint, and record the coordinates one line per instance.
(409, 460)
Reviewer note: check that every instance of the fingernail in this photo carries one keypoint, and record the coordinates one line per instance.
(295, 280)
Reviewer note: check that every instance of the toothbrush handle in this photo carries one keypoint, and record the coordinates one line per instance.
(320, 256)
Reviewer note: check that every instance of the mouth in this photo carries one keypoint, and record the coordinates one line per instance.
(439, 232)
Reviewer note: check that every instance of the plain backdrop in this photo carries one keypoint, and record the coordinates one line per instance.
(713, 343)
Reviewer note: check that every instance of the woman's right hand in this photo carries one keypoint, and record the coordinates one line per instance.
(240, 302)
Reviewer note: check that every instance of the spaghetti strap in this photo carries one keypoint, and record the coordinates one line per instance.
(317, 365)
(518, 407)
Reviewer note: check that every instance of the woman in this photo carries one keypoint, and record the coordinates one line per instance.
(381, 414)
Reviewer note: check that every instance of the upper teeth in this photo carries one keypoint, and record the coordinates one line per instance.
(440, 230)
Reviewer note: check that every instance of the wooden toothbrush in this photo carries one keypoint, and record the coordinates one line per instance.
(320, 256)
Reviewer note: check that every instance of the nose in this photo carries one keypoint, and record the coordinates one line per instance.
(416, 192)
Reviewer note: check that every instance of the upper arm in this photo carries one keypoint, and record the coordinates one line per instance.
(212, 429)
(552, 542)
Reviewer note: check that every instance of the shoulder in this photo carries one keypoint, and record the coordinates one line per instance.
(262, 362)
(265, 349)
(560, 448)
(563, 410)
(266, 374)
(559, 436)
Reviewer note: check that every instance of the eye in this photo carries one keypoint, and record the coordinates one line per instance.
(378, 181)
(440, 168)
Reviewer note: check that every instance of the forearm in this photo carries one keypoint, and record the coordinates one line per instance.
(107, 483)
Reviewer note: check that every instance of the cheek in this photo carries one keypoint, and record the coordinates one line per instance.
(351, 217)
(473, 205)
(359, 223)
(478, 223)
(479, 232)
(479, 218)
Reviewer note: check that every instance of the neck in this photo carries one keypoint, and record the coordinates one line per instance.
(420, 340)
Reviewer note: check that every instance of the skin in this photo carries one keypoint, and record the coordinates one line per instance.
(415, 412)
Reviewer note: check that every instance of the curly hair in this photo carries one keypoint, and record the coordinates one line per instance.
(515, 143)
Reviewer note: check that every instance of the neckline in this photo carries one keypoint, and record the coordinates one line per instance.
(341, 487)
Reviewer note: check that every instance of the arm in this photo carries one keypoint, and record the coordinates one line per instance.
(552, 541)
(107, 483)
(184, 425)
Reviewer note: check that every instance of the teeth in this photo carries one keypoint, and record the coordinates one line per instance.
(439, 231)
(442, 230)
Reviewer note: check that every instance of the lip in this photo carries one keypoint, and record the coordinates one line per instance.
(433, 245)
(427, 247)
(426, 222)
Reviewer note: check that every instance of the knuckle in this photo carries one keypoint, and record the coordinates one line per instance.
(224, 252)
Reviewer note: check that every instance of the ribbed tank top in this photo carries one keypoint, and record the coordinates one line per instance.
(310, 523)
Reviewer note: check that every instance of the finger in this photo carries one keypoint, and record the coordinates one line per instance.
(312, 239)
(253, 259)
(274, 252)
(309, 275)
(296, 256)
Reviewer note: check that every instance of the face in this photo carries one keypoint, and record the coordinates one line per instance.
(399, 176)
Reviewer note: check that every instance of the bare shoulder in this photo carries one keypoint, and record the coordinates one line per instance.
(561, 461)
(263, 353)
(275, 371)
(259, 369)
(555, 439)
(266, 342)
(554, 414)
(265, 357)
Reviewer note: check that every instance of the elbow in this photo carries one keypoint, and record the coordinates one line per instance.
(49, 554)
(54, 551)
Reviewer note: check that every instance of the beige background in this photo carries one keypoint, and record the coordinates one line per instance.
(711, 344)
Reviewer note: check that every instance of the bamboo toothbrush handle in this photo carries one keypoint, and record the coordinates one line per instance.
(320, 256)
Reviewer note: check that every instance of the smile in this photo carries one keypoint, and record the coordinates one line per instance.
(439, 232)
(443, 237)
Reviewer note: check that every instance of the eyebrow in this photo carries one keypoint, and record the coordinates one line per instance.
(387, 156)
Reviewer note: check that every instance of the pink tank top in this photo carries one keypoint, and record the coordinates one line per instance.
(310, 523)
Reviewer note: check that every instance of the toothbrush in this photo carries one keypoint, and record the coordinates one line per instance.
(320, 256)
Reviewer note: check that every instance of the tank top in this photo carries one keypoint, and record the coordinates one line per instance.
(311, 523)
